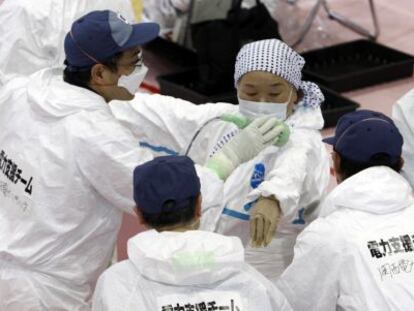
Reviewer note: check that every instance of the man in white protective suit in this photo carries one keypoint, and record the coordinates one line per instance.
(174, 266)
(276, 193)
(403, 115)
(35, 30)
(358, 255)
(66, 165)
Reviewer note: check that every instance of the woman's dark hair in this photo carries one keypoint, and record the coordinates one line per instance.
(349, 167)
(183, 216)
(82, 76)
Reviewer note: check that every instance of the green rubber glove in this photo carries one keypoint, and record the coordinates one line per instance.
(237, 119)
(283, 137)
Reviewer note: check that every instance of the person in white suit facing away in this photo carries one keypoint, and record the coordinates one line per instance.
(174, 266)
(358, 255)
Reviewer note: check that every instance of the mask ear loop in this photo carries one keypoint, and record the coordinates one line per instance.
(290, 96)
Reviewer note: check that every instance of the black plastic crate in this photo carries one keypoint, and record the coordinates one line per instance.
(172, 52)
(335, 106)
(356, 64)
(184, 85)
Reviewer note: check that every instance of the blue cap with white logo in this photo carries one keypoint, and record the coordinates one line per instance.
(362, 134)
(165, 179)
(99, 35)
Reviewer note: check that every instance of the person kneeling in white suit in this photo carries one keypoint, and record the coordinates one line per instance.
(359, 254)
(174, 266)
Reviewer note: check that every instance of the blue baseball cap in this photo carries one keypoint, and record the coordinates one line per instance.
(361, 134)
(169, 178)
(99, 35)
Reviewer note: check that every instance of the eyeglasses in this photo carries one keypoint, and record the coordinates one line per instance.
(138, 63)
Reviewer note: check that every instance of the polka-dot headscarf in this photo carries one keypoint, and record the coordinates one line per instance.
(277, 57)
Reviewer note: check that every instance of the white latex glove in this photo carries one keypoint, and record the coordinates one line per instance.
(249, 142)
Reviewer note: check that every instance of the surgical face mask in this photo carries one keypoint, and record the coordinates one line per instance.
(132, 81)
(253, 110)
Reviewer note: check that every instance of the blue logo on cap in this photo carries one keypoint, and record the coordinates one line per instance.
(123, 19)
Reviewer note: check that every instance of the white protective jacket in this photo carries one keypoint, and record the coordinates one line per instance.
(297, 174)
(359, 255)
(403, 115)
(194, 270)
(165, 125)
(35, 31)
(65, 177)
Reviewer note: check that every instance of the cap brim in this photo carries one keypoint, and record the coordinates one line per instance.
(329, 140)
(141, 34)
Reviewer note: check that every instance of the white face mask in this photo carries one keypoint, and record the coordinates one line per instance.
(132, 81)
(254, 110)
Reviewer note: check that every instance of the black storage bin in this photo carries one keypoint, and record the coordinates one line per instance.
(356, 64)
(184, 85)
(335, 106)
(176, 54)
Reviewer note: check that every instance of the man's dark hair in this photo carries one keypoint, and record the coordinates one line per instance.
(183, 216)
(82, 76)
(349, 167)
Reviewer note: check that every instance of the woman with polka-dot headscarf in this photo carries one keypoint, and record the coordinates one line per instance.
(270, 199)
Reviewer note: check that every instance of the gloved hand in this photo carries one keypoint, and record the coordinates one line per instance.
(264, 219)
(237, 119)
(241, 122)
(259, 134)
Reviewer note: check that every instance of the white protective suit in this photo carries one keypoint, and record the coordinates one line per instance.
(297, 174)
(35, 30)
(403, 116)
(359, 254)
(165, 13)
(194, 270)
(65, 177)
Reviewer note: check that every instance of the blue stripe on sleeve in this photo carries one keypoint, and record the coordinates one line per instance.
(158, 148)
(235, 214)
